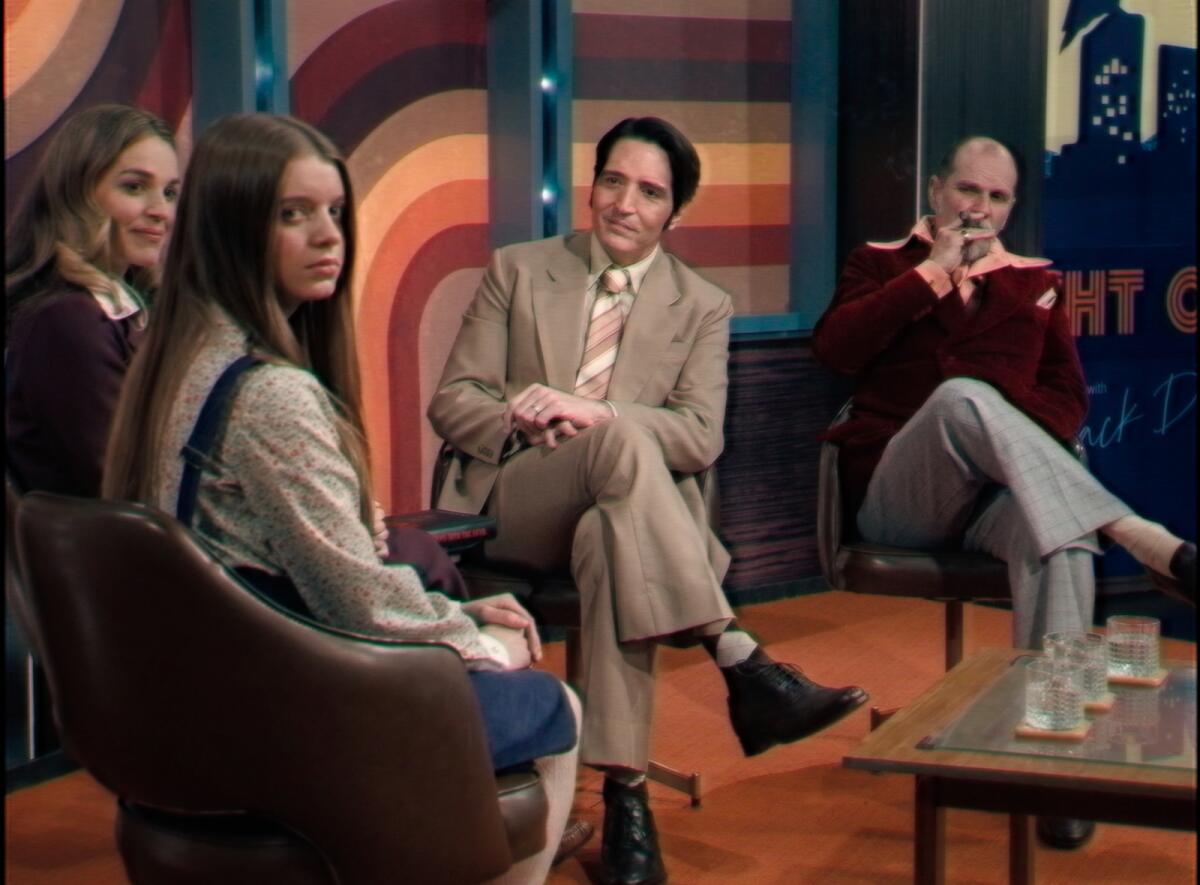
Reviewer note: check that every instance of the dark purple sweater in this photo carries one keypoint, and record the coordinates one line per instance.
(63, 370)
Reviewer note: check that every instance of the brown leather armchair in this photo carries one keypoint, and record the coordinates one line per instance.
(249, 745)
(41, 738)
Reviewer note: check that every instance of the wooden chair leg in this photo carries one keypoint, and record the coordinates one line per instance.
(954, 633)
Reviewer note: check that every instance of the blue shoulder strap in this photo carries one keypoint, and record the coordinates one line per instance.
(197, 451)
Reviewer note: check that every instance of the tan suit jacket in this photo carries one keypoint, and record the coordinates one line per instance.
(527, 325)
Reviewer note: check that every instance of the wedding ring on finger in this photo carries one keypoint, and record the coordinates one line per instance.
(537, 410)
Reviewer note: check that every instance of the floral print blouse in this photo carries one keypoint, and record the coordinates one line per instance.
(281, 496)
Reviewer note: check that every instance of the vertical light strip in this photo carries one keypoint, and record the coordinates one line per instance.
(30, 710)
(551, 180)
(919, 177)
(264, 58)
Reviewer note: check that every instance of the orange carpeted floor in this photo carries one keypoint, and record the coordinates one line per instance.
(792, 815)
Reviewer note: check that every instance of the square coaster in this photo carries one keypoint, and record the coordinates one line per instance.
(1026, 730)
(1101, 705)
(1153, 681)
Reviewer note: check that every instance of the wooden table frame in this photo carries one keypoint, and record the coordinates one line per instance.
(1021, 786)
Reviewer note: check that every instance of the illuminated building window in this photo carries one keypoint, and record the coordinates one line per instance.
(1112, 130)
(1095, 121)
(1104, 99)
(1121, 159)
(1129, 136)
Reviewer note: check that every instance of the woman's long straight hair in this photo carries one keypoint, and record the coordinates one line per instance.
(220, 256)
(60, 231)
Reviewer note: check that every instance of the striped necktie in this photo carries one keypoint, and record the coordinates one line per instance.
(603, 336)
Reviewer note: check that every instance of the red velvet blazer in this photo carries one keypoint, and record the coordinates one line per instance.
(888, 330)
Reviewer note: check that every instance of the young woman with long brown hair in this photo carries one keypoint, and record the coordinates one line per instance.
(279, 485)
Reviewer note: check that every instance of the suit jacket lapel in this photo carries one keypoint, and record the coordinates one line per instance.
(998, 303)
(558, 307)
(647, 334)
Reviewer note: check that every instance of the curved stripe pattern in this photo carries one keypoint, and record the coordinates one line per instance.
(401, 88)
(32, 30)
(135, 51)
(721, 72)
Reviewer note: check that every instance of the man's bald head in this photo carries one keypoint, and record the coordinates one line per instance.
(974, 145)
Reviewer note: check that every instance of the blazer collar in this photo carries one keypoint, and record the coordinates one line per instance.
(996, 257)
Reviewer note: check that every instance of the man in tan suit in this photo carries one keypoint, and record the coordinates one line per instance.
(585, 395)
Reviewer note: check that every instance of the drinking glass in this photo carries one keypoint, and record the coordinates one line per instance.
(1088, 649)
(1053, 694)
(1133, 646)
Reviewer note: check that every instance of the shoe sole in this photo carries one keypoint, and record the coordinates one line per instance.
(755, 748)
(1170, 586)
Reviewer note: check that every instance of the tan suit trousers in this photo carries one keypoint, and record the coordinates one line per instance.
(639, 552)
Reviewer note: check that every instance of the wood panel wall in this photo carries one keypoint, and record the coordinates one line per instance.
(780, 399)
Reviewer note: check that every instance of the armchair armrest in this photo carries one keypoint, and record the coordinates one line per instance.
(455, 531)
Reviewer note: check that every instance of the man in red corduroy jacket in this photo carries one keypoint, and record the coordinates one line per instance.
(966, 387)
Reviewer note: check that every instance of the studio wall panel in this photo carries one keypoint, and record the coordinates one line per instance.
(61, 56)
(721, 73)
(401, 88)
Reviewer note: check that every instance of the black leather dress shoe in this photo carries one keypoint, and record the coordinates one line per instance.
(629, 852)
(771, 703)
(1065, 833)
(575, 835)
(1181, 583)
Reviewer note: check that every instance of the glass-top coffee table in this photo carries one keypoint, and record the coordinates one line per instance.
(1136, 766)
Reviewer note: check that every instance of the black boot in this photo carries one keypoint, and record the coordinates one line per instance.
(1181, 583)
(772, 703)
(629, 852)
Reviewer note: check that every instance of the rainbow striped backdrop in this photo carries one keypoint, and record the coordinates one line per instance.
(401, 87)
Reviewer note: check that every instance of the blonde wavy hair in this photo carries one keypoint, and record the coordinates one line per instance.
(60, 232)
(220, 255)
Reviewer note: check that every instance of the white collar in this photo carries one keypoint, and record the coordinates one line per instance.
(997, 256)
(602, 262)
(119, 304)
